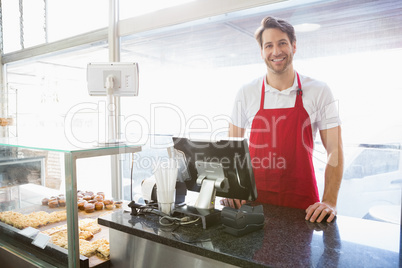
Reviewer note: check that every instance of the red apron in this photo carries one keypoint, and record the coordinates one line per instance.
(281, 144)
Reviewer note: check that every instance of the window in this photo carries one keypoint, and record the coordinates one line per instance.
(373, 162)
(35, 22)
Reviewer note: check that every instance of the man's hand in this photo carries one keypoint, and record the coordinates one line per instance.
(318, 211)
(233, 203)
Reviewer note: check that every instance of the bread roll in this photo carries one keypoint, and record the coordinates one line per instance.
(99, 205)
(108, 202)
(45, 201)
(62, 202)
(81, 204)
(54, 203)
(98, 197)
(89, 208)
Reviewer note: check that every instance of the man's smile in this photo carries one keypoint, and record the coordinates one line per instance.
(277, 60)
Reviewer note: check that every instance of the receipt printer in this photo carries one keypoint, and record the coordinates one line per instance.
(244, 220)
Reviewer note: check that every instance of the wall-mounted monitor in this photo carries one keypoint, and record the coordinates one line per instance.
(121, 76)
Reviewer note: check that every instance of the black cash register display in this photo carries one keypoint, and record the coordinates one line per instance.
(215, 168)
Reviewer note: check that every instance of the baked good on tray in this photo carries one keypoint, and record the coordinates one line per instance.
(99, 197)
(108, 202)
(86, 235)
(88, 227)
(89, 207)
(53, 203)
(102, 248)
(109, 207)
(83, 198)
(35, 219)
(62, 202)
(57, 216)
(87, 248)
(99, 206)
(59, 238)
(45, 201)
(81, 204)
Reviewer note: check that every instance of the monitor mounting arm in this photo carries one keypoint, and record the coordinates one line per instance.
(110, 106)
(211, 178)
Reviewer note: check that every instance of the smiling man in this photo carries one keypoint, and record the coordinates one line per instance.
(284, 110)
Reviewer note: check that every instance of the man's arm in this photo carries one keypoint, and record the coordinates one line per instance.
(332, 141)
(235, 131)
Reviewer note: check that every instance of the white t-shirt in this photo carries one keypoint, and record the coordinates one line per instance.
(317, 100)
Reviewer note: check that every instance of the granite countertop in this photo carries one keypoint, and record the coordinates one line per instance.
(287, 240)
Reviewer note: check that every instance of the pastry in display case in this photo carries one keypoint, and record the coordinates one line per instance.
(30, 207)
(49, 215)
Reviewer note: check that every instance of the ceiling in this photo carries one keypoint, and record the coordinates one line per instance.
(346, 27)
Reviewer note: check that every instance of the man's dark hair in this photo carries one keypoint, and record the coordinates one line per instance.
(271, 22)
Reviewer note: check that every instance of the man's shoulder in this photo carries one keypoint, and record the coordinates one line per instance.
(254, 84)
(312, 83)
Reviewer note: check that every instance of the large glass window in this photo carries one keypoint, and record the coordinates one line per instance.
(35, 22)
(74, 17)
(10, 26)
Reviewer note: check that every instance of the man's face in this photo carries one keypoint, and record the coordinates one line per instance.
(277, 51)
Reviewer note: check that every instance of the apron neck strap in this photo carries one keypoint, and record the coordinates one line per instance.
(262, 95)
(299, 101)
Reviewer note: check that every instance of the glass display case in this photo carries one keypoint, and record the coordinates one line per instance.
(43, 219)
(8, 112)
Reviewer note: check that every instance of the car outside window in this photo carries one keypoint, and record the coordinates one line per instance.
(373, 161)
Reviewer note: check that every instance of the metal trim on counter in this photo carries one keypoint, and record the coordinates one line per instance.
(131, 251)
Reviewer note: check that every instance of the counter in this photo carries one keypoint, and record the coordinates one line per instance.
(286, 240)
